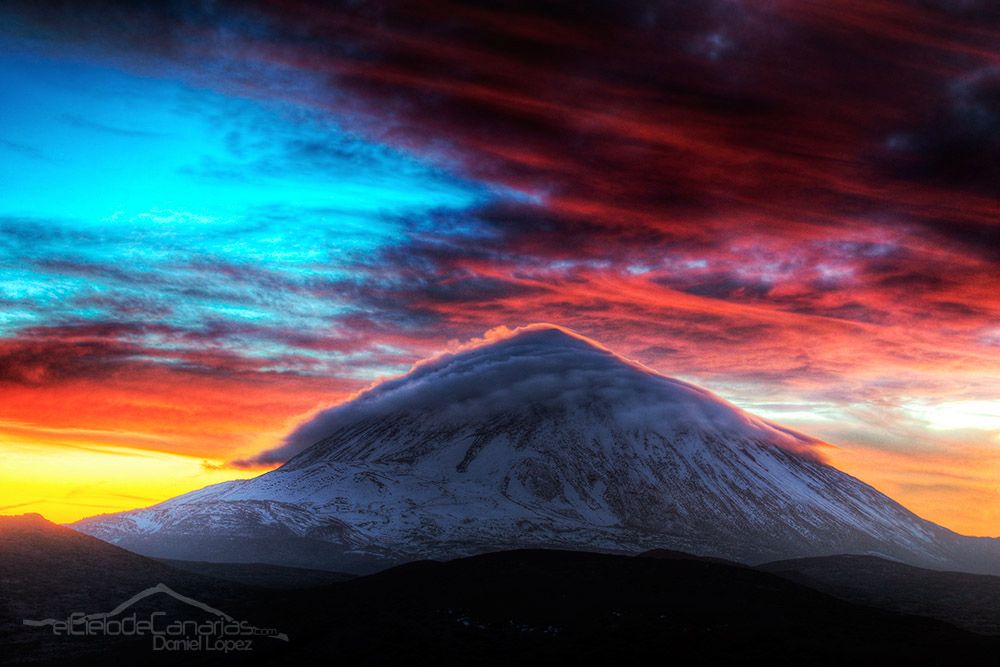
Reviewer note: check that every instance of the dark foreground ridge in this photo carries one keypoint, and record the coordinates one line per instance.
(515, 607)
(969, 601)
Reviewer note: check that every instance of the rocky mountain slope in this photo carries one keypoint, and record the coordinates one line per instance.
(539, 439)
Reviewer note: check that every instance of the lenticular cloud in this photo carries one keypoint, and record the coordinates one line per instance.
(534, 368)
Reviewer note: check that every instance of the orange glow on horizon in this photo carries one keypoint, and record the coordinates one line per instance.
(111, 447)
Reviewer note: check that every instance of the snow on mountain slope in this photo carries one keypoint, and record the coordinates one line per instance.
(542, 438)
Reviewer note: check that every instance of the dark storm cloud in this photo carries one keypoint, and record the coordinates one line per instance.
(959, 146)
(41, 362)
(657, 116)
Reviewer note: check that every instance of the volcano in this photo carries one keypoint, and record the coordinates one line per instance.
(540, 439)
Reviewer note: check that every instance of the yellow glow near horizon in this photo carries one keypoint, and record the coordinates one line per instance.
(958, 490)
(67, 483)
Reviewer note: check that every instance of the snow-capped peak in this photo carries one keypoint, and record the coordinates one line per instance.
(536, 370)
(539, 437)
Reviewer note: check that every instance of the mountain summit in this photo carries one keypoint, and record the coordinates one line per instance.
(538, 376)
(539, 438)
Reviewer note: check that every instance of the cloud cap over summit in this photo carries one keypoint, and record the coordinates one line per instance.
(539, 367)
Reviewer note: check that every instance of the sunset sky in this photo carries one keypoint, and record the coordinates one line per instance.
(217, 219)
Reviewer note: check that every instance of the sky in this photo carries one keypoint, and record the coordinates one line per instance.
(218, 219)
